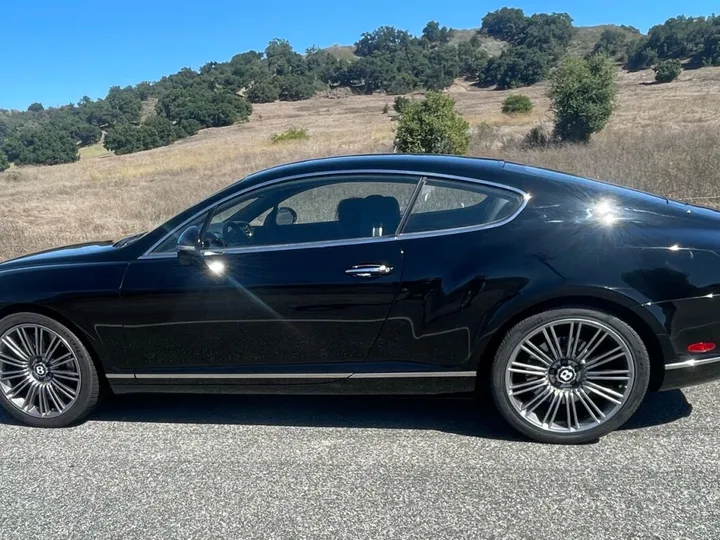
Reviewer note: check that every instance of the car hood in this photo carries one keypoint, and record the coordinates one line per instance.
(88, 252)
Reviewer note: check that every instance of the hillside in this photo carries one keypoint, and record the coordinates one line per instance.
(662, 138)
(510, 50)
(582, 42)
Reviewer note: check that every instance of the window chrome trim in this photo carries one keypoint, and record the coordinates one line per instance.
(422, 178)
(411, 204)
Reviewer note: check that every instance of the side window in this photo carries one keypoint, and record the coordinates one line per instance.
(448, 204)
(169, 243)
(317, 210)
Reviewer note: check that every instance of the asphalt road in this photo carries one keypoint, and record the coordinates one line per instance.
(300, 467)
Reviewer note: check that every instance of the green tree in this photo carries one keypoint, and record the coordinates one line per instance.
(547, 33)
(295, 87)
(517, 66)
(385, 39)
(86, 134)
(124, 105)
(4, 163)
(263, 91)
(472, 61)
(325, 66)
(40, 145)
(207, 108)
(583, 97)
(36, 108)
(144, 90)
(505, 23)
(435, 34)
(709, 53)
(613, 43)
(443, 68)
(667, 70)
(641, 55)
(432, 126)
(154, 132)
(517, 103)
(4, 131)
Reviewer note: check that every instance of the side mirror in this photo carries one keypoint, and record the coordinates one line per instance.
(285, 216)
(188, 246)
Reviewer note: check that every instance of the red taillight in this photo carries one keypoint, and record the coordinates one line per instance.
(702, 347)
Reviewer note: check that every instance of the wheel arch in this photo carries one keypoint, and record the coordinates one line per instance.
(84, 338)
(621, 310)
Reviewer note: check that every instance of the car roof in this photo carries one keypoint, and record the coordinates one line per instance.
(413, 163)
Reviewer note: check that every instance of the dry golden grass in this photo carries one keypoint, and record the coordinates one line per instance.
(662, 138)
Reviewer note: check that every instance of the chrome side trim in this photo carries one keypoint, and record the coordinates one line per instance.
(692, 363)
(416, 374)
(243, 375)
(389, 375)
(422, 176)
(120, 376)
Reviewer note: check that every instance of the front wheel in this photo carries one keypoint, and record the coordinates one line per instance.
(47, 378)
(570, 376)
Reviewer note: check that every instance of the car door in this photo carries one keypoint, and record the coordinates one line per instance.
(460, 264)
(295, 285)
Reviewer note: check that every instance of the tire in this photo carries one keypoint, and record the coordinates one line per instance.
(555, 393)
(39, 352)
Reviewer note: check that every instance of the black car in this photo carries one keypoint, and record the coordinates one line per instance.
(567, 299)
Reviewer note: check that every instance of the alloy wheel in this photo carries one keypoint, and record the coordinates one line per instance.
(570, 375)
(39, 371)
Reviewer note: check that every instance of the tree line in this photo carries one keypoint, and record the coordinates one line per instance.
(385, 60)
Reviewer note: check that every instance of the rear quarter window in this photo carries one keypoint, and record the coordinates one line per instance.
(450, 204)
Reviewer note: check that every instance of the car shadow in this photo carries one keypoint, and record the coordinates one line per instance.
(457, 416)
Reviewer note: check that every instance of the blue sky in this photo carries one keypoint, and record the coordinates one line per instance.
(56, 51)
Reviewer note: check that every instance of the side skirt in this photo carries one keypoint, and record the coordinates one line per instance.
(376, 385)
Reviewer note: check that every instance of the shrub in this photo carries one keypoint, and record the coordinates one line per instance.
(667, 70)
(583, 97)
(400, 103)
(432, 126)
(538, 137)
(292, 134)
(517, 103)
(484, 137)
(40, 145)
(4, 163)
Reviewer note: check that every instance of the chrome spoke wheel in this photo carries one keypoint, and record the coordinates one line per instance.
(570, 375)
(39, 371)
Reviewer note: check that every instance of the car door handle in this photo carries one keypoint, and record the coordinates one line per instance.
(369, 270)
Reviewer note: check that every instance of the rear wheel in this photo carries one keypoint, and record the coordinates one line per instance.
(47, 378)
(570, 375)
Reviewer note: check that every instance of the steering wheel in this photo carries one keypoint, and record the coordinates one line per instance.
(237, 233)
